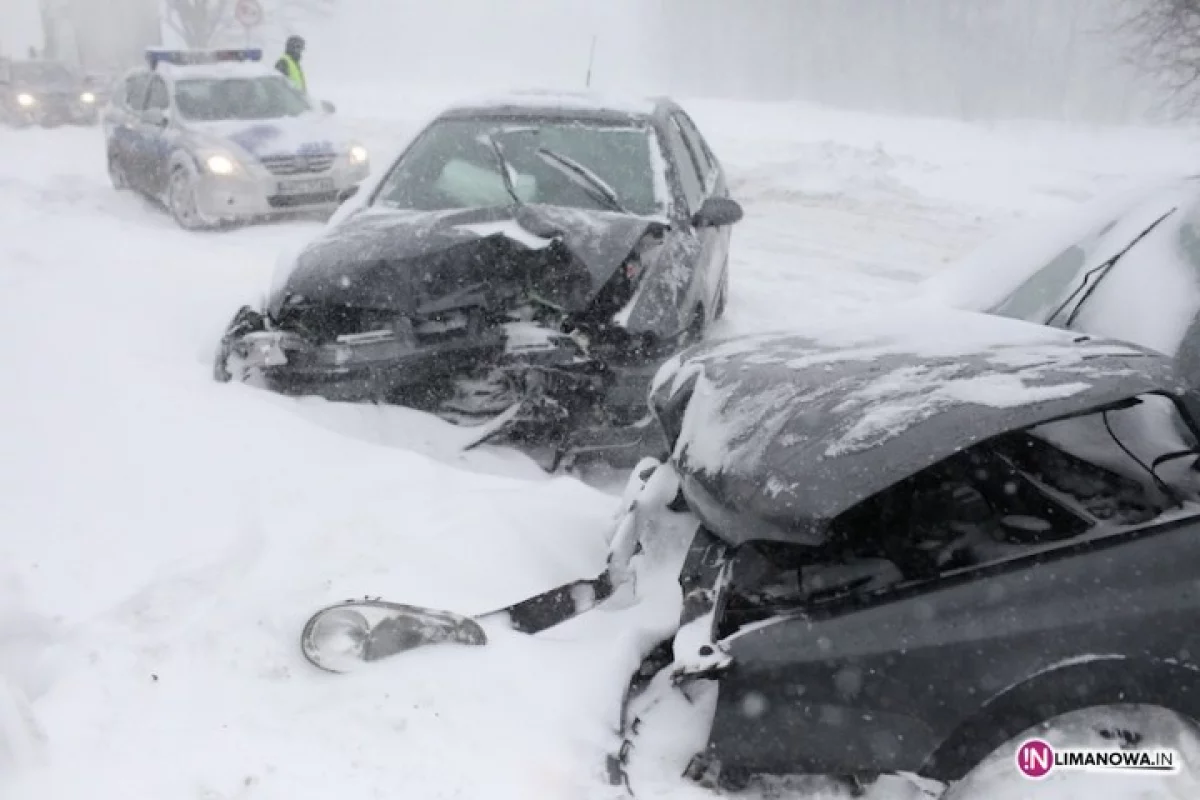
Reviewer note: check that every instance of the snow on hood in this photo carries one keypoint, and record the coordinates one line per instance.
(801, 426)
(309, 134)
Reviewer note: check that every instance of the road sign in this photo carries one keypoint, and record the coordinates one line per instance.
(249, 13)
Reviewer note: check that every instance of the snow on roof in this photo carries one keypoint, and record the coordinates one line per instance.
(225, 69)
(548, 100)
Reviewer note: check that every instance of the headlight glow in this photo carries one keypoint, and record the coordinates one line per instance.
(26, 100)
(220, 165)
(88, 97)
(358, 154)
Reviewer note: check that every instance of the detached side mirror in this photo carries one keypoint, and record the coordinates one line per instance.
(328, 107)
(717, 212)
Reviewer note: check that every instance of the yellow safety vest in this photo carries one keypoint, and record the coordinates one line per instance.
(295, 73)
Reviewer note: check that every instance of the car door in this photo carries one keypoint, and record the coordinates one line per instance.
(699, 243)
(119, 119)
(158, 135)
(716, 251)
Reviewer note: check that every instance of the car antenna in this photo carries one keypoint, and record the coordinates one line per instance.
(591, 60)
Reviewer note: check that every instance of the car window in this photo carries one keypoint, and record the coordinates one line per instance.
(685, 165)
(135, 91)
(158, 97)
(698, 146)
(211, 99)
(453, 165)
(1017, 495)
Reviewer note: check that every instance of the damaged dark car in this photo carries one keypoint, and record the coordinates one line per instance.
(525, 265)
(914, 546)
(901, 546)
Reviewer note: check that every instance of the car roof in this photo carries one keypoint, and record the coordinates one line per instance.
(784, 432)
(532, 104)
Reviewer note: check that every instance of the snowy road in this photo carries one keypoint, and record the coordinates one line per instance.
(162, 537)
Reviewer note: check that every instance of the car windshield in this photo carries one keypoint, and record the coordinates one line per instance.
(211, 99)
(453, 165)
(41, 72)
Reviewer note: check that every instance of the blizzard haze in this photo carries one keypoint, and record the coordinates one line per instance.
(953, 58)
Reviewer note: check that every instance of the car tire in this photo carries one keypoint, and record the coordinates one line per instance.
(181, 201)
(1125, 727)
(116, 173)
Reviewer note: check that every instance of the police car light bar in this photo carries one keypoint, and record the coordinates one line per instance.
(180, 58)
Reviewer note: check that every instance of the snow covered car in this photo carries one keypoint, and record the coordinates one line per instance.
(525, 265)
(900, 545)
(1125, 266)
(44, 93)
(220, 137)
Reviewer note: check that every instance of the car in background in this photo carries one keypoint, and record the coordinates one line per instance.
(1125, 265)
(526, 264)
(45, 93)
(219, 137)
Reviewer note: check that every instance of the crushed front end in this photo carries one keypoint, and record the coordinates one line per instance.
(476, 333)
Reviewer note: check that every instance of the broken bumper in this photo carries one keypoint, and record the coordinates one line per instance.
(601, 411)
(357, 370)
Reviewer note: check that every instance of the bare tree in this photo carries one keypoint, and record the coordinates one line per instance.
(1164, 41)
(201, 22)
(198, 21)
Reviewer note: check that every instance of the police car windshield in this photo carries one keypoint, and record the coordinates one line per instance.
(212, 99)
(453, 165)
(40, 72)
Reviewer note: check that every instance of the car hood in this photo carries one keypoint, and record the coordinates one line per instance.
(309, 134)
(775, 435)
(409, 261)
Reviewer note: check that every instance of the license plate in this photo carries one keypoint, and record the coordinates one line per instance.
(310, 186)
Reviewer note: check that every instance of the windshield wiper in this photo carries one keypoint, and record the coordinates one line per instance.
(1101, 270)
(506, 170)
(584, 178)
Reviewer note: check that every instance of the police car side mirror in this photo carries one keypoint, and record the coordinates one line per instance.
(328, 107)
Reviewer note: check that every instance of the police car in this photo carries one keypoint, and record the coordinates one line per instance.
(218, 136)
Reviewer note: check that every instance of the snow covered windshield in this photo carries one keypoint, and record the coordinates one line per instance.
(453, 165)
(213, 99)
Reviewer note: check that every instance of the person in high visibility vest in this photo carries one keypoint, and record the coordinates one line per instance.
(289, 63)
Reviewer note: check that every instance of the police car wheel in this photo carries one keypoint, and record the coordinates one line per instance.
(181, 199)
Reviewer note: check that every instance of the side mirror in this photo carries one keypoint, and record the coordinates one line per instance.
(717, 212)
(346, 194)
(328, 107)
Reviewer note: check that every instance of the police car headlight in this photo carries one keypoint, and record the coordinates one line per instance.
(358, 154)
(88, 98)
(220, 165)
(26, 100)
